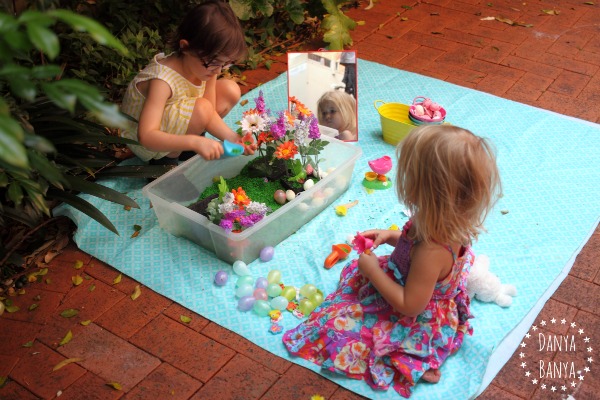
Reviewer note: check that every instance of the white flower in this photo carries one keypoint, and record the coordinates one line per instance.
(226, 208)
(257, 208)
(228, 198)
(253, 122)
(301, 132)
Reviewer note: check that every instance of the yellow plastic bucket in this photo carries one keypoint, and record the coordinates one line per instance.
(395, 123)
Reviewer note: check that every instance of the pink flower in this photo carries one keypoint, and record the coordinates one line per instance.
(362, 244)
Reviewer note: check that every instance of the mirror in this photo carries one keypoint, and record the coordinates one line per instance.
(325, 82)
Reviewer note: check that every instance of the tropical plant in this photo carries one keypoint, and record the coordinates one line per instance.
(52, 129)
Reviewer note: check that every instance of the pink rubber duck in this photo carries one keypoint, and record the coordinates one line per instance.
(381, 166)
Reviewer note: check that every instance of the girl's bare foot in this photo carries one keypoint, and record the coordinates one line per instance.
(432, 375)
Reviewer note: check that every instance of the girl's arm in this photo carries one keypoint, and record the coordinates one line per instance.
(216, 126)
(151, 137)
(428, 263)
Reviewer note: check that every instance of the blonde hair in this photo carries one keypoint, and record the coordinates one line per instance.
(346, 105)
(448, 178)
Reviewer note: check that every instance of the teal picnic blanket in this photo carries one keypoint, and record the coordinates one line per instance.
(550, 170)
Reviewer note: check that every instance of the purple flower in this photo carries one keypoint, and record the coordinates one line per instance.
(278, 128)
(260, 103)
(250, 220)
(235, 214)
(313, 130)
(226, 224)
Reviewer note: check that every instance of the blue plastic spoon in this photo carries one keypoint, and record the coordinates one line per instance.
(232, 149)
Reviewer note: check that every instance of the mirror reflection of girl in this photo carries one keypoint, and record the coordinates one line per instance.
(337, 110)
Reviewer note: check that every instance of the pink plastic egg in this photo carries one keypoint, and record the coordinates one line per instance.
(279, 196)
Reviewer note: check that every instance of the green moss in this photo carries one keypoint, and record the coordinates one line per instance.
(256, 189)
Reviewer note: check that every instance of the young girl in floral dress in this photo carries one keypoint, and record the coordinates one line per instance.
(394, 320)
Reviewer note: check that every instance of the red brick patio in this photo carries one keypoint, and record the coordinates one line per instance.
(145, 347)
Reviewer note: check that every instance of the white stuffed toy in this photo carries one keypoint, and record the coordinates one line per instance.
(486, 286)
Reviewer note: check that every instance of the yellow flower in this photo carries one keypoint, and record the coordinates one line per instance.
(317, 397)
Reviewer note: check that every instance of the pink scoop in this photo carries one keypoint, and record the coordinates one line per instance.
(382, 165)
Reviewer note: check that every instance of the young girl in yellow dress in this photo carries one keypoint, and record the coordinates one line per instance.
(178, 97)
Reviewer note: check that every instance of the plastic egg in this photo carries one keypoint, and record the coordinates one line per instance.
(328, 192)
(279, 196)
(308, 290)
(279, 303)
(303, 207)
(317, 298)
(306, 306)
(317, 201)
(244, 280)
(245, 303)
(274, 276)
(240, 268)
(266, 254)
(244, 290)
(308, 184)
(418, 110)
(221, 278)
(273, 289)
(289, 292)
(290, 195)
(261, 307)
(260, 294)
(261, 283)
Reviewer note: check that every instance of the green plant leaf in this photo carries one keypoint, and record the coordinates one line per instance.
(103, 192)
(45, 71)
(47, 169)
(44, 40)
(63, 100)
(15, 193)
(35, 17)
(35, 194)
(85, 207)
(337, 26)
(98, 32)
(242, 9)
(69, 313)
(23, 88)
(39, 143)
(66, 339)
(7, 23)
(12, 150)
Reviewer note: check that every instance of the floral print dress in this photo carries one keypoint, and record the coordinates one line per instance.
(355, 331)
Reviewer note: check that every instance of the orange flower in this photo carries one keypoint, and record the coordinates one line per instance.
(298, 105)
(239, 197)
(286, 150)
(264, 137)
(290, 118)
(248, 141)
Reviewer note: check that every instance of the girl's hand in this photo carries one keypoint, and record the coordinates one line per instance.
(380, 236)
(208, 149)
(367, 263)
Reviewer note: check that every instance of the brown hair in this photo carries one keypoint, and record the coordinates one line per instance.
(447, 177)
(212, 30)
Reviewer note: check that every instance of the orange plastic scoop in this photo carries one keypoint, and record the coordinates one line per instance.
(338, 252)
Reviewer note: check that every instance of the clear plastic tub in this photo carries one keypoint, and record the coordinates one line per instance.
(173, 192)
